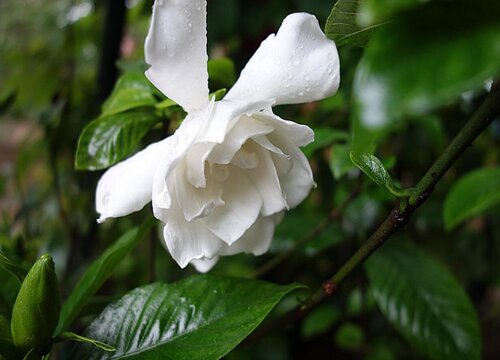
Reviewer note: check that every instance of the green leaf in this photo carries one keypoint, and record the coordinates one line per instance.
(9, 351)
(371, 11)
(97, 273)
(474, 193)
(342, 27)
(349, 336)
(340, 163)
(424, 302)
(201, 317)
(107, 140)
(425, 59)
(324, 137)
(75, 337)
(320, 320)
(222, 72)
(131, 91)
(376, 171)
(17, 271)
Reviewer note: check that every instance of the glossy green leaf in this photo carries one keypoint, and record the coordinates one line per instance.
(97, 273)
(425, 59)
(131, 91)
(201, 317)
(474, 193)
(424, 302)
(342, 27)
(107, 140)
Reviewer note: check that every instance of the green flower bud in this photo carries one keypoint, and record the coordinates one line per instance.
(37, 307)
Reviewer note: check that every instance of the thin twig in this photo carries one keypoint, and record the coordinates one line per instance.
(398, 218)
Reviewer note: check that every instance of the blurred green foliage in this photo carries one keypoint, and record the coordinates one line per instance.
(420, 78)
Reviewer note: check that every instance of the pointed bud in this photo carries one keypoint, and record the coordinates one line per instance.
(37, 307)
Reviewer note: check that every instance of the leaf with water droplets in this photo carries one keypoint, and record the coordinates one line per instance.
(199, 318)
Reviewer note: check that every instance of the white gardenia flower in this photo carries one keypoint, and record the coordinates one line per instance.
(222, 181)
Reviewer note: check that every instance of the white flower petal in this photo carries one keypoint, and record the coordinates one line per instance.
(176, 49)
(242, 207)
(298, 181)
(256, 239)
(299, 64)
(245, 128)
(265, 179)
(196, 202)
(300, 135)
(126, 187)
(188, 241)
(204, 265)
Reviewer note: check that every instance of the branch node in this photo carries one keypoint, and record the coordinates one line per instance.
(329, 287)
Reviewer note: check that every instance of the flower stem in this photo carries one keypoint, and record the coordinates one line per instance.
(398, 217)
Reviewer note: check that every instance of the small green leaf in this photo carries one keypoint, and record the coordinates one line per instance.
(425, 59)
(471, 195)
(376, 171)
(100, 270)
(222, 72)
(201, 317)
(320, 320)
(219, 94)
(342, 27)
(18, 271)
(75, 337)
(131, 91)
(424, 302)
(107, 140)
(349, 336)
(340, 163)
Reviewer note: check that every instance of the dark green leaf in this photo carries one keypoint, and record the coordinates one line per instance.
(324, 137)
(222, 72)
(131, 91)
(471, 195)
(424, 302)
(371, 11)
(340, 163)
(201, 317)
(320, 320)
(100, 270)
(107, 140)
(18, 271)
(9, 351)
(342, 27)
(349, 336)
(427, 58)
